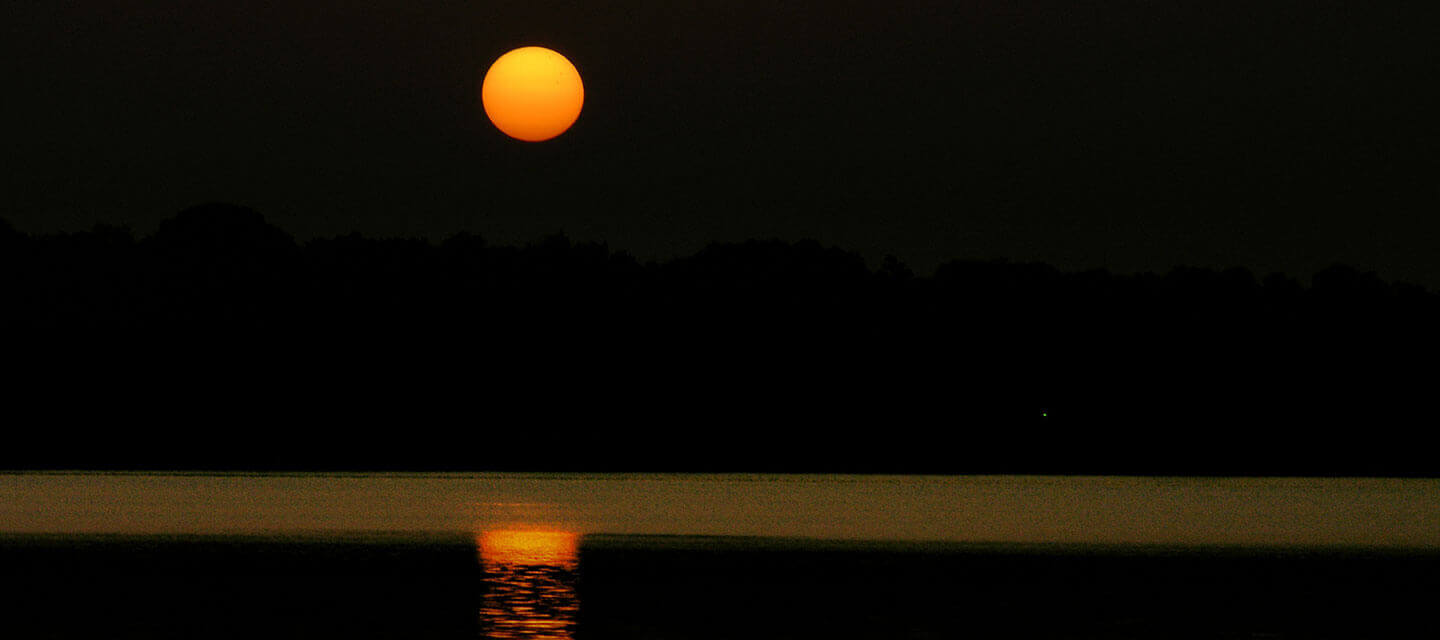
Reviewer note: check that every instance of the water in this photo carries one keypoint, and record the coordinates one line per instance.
(1284, 512)
(576, 557)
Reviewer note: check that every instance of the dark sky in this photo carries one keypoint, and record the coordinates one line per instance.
(1128, 134)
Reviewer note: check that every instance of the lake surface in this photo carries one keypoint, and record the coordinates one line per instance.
(577, 556)
(1392, 513)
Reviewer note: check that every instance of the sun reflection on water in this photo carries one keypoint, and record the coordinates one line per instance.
(530, 578)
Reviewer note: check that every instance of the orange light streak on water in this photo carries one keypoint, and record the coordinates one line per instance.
(530, 578)
(555, 548)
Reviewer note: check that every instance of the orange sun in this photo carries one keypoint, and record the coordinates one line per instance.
(532, 94)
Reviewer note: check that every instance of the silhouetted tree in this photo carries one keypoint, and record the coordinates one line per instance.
(219, 267)
(8, 234)
(893, 269)
(1341, 281)
(221, 235)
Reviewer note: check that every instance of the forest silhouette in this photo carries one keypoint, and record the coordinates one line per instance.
(219, 342)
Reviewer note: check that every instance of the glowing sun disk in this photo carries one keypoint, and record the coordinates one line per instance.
(532, 94)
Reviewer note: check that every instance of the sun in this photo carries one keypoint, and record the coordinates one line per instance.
(532, 94)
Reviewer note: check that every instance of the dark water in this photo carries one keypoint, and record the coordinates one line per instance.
(637, 587)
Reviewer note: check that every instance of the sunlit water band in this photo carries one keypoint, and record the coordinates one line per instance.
(1007, 509)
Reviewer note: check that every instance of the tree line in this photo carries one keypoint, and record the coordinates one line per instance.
(756, 355)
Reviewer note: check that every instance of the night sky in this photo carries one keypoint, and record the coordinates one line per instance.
(1280, 135)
